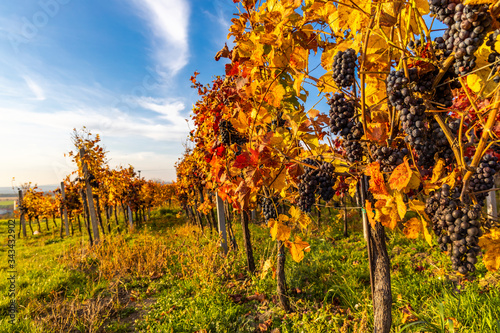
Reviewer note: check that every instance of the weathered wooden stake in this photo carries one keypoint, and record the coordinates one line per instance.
(221, 222)
(90, 198)
(130, 218)
(65, 210)
(491, 205)
(21, 209)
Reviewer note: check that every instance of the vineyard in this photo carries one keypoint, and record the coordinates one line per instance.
(378, 215)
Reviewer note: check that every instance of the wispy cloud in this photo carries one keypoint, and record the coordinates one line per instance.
(107, 122)
(169, 21)
(35, 88)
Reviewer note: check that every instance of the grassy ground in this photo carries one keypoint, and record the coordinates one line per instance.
(6, 203)
(171, 277)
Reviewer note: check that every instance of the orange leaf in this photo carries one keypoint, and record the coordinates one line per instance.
(412, 228)
(370, 213)
(377, 132)
(243, 192)
(403, 177)
(377, 183)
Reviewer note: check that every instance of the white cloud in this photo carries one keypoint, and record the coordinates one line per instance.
(35, 88)
(108, 122)
(169, 20)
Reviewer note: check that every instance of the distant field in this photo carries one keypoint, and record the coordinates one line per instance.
(6, 203)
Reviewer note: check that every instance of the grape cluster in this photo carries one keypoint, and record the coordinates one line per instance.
(443, 95)
(341, 113)
(269, 208)
(343, 123)
(326, 181)
(411, 109)
(319, 180)
(466, 34)
(443, 10)
(440, 141)
(494, 56)
(229, 135)
(389, 158)
(457, 227)
(344, 64)
(482, 180)
(352, 146)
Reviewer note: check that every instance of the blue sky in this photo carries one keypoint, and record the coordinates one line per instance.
(120, 68)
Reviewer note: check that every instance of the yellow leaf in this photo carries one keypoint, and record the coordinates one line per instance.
(297, 84)
(417, 206)
(297, 216)
(438, 170)
(474, 82)
(400, 204)
(283, 218)
(412, 228)
(279, 231)
(478, 81)
(267, 265)
(326, 84)
(353, 188)
(297, 248)
(427, 235)
(422, 6)
(327, 56)
(451, 179)
(275, 95)
(490, 243)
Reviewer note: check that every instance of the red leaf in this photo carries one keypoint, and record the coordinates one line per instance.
(232, 69)
(243, 161)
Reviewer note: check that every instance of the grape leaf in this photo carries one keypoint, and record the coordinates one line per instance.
(403, 177)
(377, 184)
(268, 264)
(437, 172)
(400, 204)
(412, 228)
(490, 242)
(297, 248)
(279, 230)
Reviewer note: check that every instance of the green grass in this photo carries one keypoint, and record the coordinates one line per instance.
(6, 203)
(198, 289)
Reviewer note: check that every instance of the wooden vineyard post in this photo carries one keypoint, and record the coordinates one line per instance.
(90, 200)
(345, 217)
(22, 218)
(361, 204)
(245, 216)
(221, 223)
(491, 206)
(130, 218)
(21, 209)
(380, 275)
(65, 210)
(280, 277)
